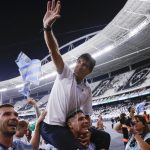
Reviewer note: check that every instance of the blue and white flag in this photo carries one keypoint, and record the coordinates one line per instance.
(140, 107)
(30, 71)
(25, 90)
(22, 60)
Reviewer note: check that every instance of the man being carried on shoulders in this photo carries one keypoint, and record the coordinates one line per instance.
(69, 91)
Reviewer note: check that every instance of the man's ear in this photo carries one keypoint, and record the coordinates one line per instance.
(69, 124)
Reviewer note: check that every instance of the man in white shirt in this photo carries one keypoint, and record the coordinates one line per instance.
(69, 91)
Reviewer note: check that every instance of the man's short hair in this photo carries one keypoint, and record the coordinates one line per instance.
(88, 58)
(72, 114)
(22, 124)
(129, 109)
(6, 105)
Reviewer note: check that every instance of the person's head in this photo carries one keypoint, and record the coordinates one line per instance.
(8, 120)
(22, 128)
(131, 109)
(140, 124)
(84, 66)
(122, 115)
(145, 113)
(77, 123)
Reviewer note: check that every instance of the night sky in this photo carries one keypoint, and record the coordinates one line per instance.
(21, 22)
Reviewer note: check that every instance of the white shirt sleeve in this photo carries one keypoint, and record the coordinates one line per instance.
(66, 72)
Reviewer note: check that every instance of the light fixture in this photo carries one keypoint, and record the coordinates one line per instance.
(106, 49)
(138, 28)
(145, 0)
(19, 86)
(3, 89)
(48, 75)
(72, 65)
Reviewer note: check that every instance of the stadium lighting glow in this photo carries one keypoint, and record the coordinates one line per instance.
(3, 90)
(72, 65)
(106, 49)
(48, 75)
(54, 73)
(145, 0)
(138, 28)
(19, 86)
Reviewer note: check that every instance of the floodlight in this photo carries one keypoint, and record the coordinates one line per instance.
(138, 28)
(106, 49)
(3, 89)
(48, 75)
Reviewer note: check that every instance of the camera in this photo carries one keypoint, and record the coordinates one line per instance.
(123, 118)
(126, 120)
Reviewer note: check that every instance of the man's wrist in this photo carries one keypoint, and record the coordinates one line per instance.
(47, 28)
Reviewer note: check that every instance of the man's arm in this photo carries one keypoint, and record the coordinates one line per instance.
(143, 145)
(85, 139)
(32, 102)
(51, 15)
(36, 136)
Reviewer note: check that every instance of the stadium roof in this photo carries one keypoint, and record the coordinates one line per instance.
(123, 42)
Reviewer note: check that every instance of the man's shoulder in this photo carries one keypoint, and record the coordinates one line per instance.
(19, 145)
(2, 147)
(66, 73)
(147, 136)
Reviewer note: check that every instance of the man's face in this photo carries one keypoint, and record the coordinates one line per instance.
(82, 68)
(132, 110)
(22, 131)
(8, 121)
(79, 124)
